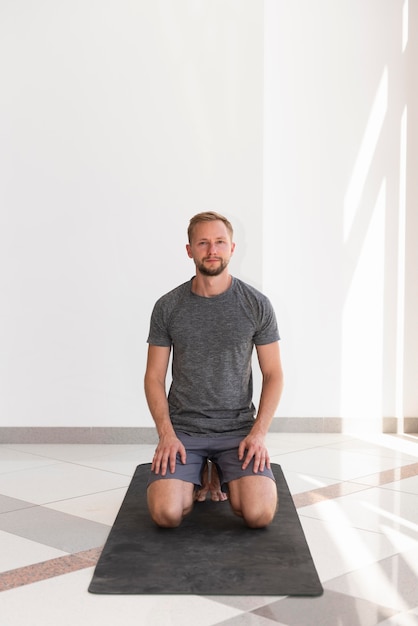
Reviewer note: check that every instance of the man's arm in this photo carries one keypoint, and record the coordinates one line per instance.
(271, 391)
(154, 383)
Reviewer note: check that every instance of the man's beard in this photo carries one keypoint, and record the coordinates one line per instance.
(212, 271)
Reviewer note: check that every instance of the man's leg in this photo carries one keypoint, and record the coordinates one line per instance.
(254, 498)
(169, 500)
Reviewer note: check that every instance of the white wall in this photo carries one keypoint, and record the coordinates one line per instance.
(339, 101)
(121, 119)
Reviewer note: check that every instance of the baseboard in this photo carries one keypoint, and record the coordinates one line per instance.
(411, 425)
(340, 425)
(93, 435)
(147, 435)
(387, 425)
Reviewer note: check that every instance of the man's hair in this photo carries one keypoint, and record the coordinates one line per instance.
(208, 216)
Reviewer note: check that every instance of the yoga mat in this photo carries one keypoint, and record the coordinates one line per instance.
(211, 553)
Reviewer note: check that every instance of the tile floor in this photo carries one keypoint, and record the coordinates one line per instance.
(357, 498)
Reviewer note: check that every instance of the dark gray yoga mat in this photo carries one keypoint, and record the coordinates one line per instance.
(211, 553)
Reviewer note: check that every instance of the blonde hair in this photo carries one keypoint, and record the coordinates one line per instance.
(208, 216)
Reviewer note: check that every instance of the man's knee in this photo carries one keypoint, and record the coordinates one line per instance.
(166, 517)
(169, 501)
(256, 516)
(260, 518)
(257, 506)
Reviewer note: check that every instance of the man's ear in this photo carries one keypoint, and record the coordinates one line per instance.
(189, 251)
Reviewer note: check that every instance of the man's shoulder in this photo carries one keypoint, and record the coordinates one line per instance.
(174, 295)
(249, 290)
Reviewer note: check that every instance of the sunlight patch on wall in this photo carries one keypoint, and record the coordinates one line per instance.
(362, 327)
(366, 153)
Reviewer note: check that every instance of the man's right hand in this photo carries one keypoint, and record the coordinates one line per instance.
(166, 454)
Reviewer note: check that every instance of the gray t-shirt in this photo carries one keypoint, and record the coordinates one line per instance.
(212, 341)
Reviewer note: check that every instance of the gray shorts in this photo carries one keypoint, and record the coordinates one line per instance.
(222, 451)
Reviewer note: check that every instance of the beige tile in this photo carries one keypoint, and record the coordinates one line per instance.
(48, 569)
(326, 493)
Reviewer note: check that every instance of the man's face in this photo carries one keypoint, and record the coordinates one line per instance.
(211, 247)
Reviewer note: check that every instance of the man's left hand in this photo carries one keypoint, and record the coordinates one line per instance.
(256, 449)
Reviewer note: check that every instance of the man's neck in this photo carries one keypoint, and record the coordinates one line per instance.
(210, 286)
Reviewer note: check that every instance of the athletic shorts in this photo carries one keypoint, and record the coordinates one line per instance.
(222, 451)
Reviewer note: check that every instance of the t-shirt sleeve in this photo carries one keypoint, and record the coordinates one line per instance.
(268, 331)
(158, 332)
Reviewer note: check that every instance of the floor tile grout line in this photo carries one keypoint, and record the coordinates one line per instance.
(392, 475)
(346, 487)
(47, 505)
(72, 464)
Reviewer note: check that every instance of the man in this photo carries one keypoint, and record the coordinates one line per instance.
(212, 323)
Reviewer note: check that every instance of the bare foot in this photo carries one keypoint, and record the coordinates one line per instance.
(210, 484)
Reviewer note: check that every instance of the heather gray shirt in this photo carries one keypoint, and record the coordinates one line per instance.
(212, 341)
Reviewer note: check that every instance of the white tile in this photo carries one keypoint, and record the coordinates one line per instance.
(337, 551)
(406, 444)
(74, 453)
(391, 513)
(251, 619)
(379, 447)
(330, 609)
(406, 485)
(60, 481)
(18, 552)
(65, 601)
(410, 618)
(280, 443)
(299, 483)
(246, 603)
(16, 461)
(335, 464)
(391, 582)
(99, 507)
(123, 461)
(120, 458)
